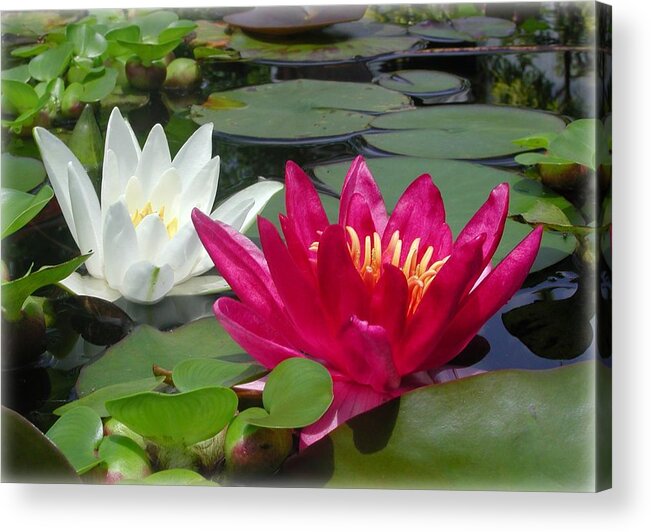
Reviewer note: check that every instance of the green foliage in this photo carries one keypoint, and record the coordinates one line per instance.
(19, 208)
(197, 373)
(20, 173)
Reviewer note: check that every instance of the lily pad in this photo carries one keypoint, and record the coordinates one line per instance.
(422, 82)
(464, 29)
(472, 131)
(124, 459)
(203, 372)
(350, 41)
(464, 187)
(21, 173)
(98, 398)
(502, 430)
(77, 435)
(177, 477)
(28, 456)
(181, 419)
(287, 20)
(297, 393)
(299, 110)
(133, 357)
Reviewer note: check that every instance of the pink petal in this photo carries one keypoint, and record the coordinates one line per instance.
(488, 220)
(419, 213)
(253, 333)
(389, 303)
(440, 303)
(304, 209)
(350, 399)
(359, 216)
(240, 262)
(487, 298)
(360, 181)
(341, 288)
(299, 253)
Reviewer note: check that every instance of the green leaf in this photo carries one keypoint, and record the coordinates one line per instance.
(20, 95)
(176, 420)
(204, 372)
(30, 50)
(133, 357)
(177, 477)
(19, 208)
(299, 110)
(51, 64)
(534, 142)
(580, 142)
(297, 393)
(28, 456)
(503, 430)
(98, 87)
(97, 399)
(77, 435)
(125, 33)
(473, 131)
(14, 293)
(21, 173)
(421, 82)
(124, 459)
(152, 24)
(19, 73)
(176, 30)
(533, 158)
(544, 212)
(86, 40)
(149, 52)
(464, 29)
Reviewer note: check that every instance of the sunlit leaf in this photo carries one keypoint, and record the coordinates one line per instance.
(52, 63)
(204, 372)
(21, 173)
(19, 208)
(177, 477)
(124, 459)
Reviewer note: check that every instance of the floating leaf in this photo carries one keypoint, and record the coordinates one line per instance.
(502, 430)
(21, 173)
(210, 34)
(351, 41)
(19, 208)
(124, 459)
(421, 82)
(77, 435)
(19, 73)
(203, 372)
(97, 399)
(177, 477)
(151, 24)
(544, 212)
(176, 30)
(176, 419)
(52, 63)
(133, 357)
(297, 393)
(473, 131)
(299, 110)
(28, 456)
(464, 29)
(99, 86)
(86, 40)
(149, 52)
(20, 95)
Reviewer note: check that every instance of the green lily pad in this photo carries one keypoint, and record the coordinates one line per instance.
(299, 110)
(464, 29)
(350, 41)
(181, 419)
(21, 173)
(502, 430)
(203, 372)
(28, 456)
(124, 459)
(472, 131)
(177, 477)
(77, 435)
(464, 187)
(133, 357)
(421, 82)
(297, 393)
(97, 399)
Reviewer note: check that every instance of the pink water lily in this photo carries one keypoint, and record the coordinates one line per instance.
(377, 299)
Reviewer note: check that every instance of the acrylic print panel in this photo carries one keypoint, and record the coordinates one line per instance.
(415, 294)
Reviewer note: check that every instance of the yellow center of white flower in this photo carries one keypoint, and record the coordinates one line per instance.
(138, 216)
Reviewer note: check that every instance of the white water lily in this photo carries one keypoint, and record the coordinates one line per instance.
(142, 240)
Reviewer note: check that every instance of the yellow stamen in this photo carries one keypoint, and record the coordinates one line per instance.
(172, 227)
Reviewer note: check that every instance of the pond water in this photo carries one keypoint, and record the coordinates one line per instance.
(550, 322)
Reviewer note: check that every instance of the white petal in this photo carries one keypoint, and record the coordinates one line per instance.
(152, 237)
(205, 284)
(56, 156)
(155, 159)
(120, 244)
(121, 140)
(200, 192)
(133, 195)
(85, 285)
(233, 213)
(195, 153)
(166, 190)
(113, 183)
(146, 283)
(181, 252)
(260, 193)
(87, 216)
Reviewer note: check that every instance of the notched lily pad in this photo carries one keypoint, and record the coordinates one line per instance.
(464, 29)
(422, 83)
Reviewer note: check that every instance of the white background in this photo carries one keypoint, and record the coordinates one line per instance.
(627, 507)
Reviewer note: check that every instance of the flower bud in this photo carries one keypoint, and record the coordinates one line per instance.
(147, 78)
(182, 74)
